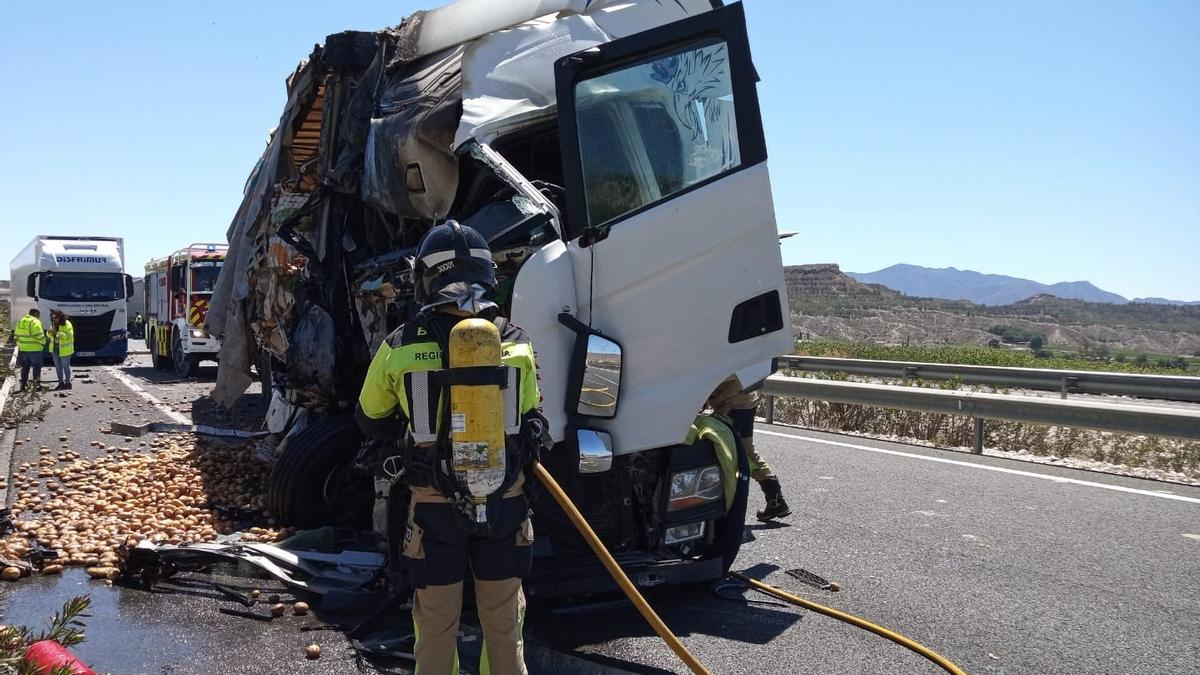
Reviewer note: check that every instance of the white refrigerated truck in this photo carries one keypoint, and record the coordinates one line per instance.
(85, 278)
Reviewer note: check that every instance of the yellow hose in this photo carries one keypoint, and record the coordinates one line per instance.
(617, 573)
(899, 639)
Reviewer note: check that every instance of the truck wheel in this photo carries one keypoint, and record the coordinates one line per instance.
(732, 527)
(314, 482)
(185, 365)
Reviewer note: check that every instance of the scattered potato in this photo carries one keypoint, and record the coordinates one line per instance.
(277, 609)
(11, 573)
(90, 508)
(300, 608)
(312, 651)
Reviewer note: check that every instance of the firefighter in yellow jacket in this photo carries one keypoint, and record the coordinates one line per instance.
(452, 528)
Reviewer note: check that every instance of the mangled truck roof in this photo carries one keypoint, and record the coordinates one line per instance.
(379, 118)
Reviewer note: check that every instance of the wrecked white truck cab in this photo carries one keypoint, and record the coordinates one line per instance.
(612, 153)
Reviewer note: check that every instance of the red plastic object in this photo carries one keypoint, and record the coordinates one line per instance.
(47, 655)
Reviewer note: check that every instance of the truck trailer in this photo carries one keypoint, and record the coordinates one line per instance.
(612, 153)
(178, 290)
(85, 278)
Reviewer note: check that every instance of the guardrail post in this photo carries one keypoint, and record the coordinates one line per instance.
(1068, 383)
(977, 440)
(769, 409)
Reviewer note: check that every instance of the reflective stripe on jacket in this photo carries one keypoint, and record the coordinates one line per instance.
(413, 348)
(64, 339)
(30, 335)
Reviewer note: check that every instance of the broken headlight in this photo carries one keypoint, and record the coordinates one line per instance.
(694, 487)
(682, 533)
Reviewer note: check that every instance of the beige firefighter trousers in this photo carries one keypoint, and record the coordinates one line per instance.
(437, 607)
(501, 606)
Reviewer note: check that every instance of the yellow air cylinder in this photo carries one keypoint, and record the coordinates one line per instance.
(477, 413)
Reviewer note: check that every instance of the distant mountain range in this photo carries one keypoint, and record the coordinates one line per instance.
(1164, 301)
(987, 289)
(827, 304)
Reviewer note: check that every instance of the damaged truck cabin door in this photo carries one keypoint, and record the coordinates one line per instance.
(672, 250)
(670, 216)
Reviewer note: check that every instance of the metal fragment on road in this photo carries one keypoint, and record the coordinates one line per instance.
(814, 580)
(135, 430)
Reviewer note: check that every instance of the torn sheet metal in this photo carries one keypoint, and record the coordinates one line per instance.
(409, 168)
(311, 355)
(136, 430)
(226, 316)
(304, 570)
(508, 77)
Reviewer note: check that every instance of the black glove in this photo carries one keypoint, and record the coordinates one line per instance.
(535, 436)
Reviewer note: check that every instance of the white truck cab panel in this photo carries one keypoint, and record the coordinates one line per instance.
(670, 219)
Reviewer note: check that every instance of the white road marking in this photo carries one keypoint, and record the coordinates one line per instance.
(141, 391)
(9, 381)
(1192, 536)
(985, 467)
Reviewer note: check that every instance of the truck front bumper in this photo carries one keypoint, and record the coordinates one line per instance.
(116, 348)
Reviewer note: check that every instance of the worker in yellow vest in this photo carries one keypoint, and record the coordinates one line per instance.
(62, 346)
(31, 342)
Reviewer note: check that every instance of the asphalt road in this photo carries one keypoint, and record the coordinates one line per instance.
(1002, 566)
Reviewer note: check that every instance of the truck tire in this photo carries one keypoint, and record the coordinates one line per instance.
(732, 527)
(185, 364)
(313, 482)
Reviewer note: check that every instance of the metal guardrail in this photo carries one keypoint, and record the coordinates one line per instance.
(1119, 417)
(1165, 387)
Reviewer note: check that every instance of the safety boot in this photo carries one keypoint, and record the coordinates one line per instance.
(776, 505)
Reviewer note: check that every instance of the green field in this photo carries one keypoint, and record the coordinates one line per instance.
(993, 356)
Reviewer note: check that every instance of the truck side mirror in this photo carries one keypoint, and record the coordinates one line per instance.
(595, 450)
(601, 378)
(128, 286)
(594, 382)
(31, 285)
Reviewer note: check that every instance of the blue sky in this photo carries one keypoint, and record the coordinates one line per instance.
(1056, 141)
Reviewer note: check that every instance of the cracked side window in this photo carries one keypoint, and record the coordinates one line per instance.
(655, 128)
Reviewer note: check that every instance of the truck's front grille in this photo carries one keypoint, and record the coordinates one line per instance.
(603, 498)
(92, 332)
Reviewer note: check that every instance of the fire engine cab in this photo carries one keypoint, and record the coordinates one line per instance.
(178, 290)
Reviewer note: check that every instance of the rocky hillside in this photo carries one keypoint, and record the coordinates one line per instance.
(828, 304)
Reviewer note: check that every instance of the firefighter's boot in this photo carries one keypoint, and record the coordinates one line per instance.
(776, 505)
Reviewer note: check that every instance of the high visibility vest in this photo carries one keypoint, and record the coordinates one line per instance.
(64, 339)
(30, 335)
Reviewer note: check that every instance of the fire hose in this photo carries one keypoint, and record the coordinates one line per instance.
(665, 633)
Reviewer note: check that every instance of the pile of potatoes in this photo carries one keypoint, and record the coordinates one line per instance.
(87, 509)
